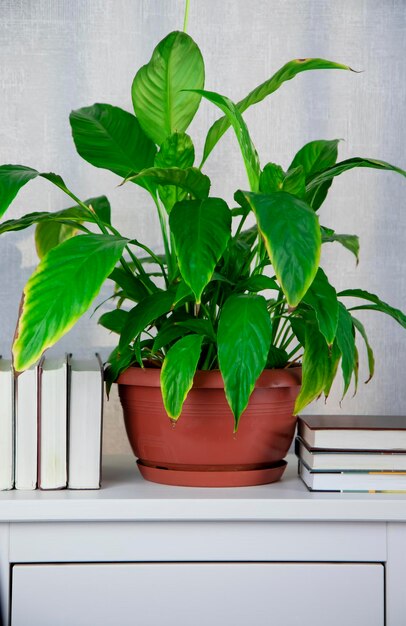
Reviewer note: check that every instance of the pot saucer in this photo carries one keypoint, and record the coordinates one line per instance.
(224, 478)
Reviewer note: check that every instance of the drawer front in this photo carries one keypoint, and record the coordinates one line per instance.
(180, 594)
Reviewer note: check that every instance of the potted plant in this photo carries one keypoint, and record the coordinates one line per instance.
(235, 326)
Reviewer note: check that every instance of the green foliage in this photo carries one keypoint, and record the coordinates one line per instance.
(201, 230)
(161, 103)
(238, 290)
(111, 138)
(244, 337)
(61, 289)
(178, 371)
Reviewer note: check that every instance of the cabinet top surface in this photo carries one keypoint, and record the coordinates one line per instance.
(125, 496)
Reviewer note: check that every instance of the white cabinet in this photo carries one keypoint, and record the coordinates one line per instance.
(179, 594)
(145, 554)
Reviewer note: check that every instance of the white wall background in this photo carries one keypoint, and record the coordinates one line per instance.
(57, 55)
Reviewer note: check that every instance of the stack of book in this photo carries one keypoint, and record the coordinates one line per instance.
(51, 424)
(352, 453)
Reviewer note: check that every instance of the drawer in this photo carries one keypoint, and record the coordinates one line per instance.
(198, 594)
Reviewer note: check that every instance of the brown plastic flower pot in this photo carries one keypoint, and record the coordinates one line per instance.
(201, 449)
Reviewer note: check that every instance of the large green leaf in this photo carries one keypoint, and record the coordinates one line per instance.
(51, 232)
(178, 372)
(201, 230)
(337, 169)
(114, 320)
(244, 336)
(351, 242)
(322, 297)
(73, 216)
(291, 233)
(144, 314)
(316, 367)
(132, 286)
(12, 178)
(109, 137)
(288, 71)
(176, 151)
(315, 156)
(273, 178)
(60, 290)
(190, 179)
(160, 101)
(377, 304)
(346, 344)
(370, 355)
(235, 119)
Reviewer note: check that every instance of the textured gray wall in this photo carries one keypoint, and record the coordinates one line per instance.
(57, 55)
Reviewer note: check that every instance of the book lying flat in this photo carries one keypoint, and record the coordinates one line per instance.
(6, 425)
(26, 430)
(378, 482)
(85, 422)
(322, 460)
(52, 423)
(353, 432)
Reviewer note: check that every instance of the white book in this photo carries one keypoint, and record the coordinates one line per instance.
(353, 481)
(85, 422)
(53, 423)
(6, 425)
(26, 429)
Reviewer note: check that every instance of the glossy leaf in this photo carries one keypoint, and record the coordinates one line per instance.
(346, 344)
(377, 304)
(350, 242)
(160, 101)
(167, 334)
(316, 156)
(271, 178)
(176, 151)
(349, 164)
(52, 231)
(291, 233)
(316, 367)
(235, 119)
(295, 182)
(114, 320)
(322, 297)
(287, 72)
(200, 327)
(258, 282)
(132, 286)
(111, 138)
(370, 355)
(244, 336)
(201, 231)
(277, 358)
(12, 178)
(178, 372)
(119, 360)
(60, 290)
(144, 314)
(334, 361)
(190, 179)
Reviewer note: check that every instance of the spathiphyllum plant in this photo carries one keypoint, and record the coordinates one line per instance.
(222, 295)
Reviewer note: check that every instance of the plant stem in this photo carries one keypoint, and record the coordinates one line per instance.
(185, 20)
(165, 237)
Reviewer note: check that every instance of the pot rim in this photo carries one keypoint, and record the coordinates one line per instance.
(212, 379)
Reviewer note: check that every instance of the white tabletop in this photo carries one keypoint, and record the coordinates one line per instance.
(125, 496)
